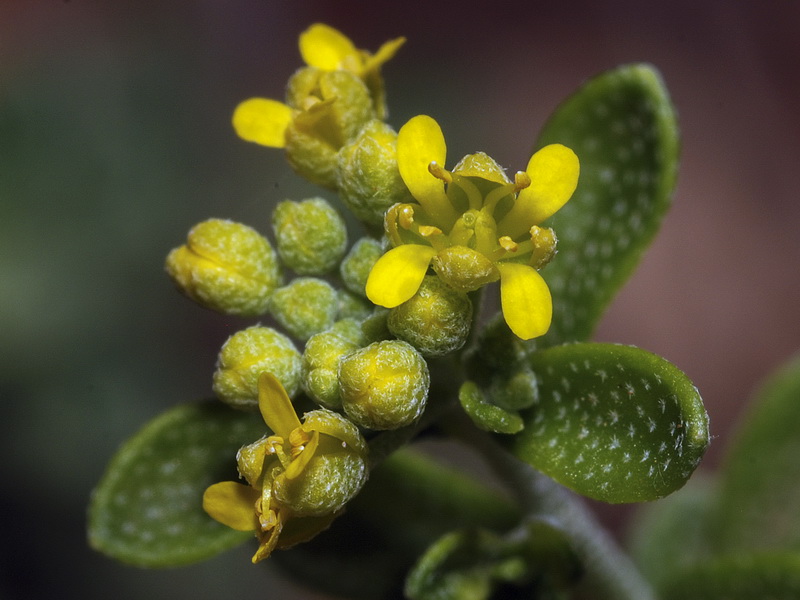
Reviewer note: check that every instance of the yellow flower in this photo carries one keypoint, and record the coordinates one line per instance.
(264, 121)
(299, 478)
(474, 226)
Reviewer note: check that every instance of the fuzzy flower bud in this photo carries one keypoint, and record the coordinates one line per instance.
(331, 108)
(352, 306)
(368, 178)
(305, 306)
(321, 359)
(227, 267)
(358, 263)
(436, 320)
(247, 354)
(311, 236)
(385, 385)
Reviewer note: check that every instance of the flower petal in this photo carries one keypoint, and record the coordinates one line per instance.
(232, 504)
(419, 143)
(296, 467)
(324, 47)
(398, 274)
(275, 406)
(384, 53)
(526, 301)
(554, 172)
(262, 121)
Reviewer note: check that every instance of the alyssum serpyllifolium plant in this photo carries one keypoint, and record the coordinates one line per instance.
(381, 339)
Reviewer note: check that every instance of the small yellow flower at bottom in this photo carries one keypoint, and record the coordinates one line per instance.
(300, 478)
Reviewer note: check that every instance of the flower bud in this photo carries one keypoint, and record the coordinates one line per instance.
(304, 307)
(464, 269)
(335, 473)
(358, 263)
(436, 320)
(247, 354)
(352, 306)
(385, 385)
(368, 178)
(323, 352)
(517, 391)
(311, 236)
(227, 267)
(333, 107)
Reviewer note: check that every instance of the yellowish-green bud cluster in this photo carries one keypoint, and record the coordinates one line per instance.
(247, 354)
(436, 320)
(321, 359)
(369, 181)
(305, 306)
(226, 266)
(358, 263)
(332, 108)
(311, 236)
(385, 385)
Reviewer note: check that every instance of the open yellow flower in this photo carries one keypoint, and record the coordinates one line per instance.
(299, 478)
(473, 225)
(264, 121)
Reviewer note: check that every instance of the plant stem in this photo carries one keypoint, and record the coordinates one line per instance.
(610, 573)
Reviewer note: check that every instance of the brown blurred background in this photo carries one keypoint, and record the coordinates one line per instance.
(115, 139)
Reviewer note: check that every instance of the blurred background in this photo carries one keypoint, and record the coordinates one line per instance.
(115, 139)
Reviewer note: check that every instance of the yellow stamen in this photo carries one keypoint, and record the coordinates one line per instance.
(405, 216)
(440, 172)
(521, 181)
(507, 244)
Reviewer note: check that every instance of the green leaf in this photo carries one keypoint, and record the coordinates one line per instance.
(759, 501)
(485, 415)
(763, 576)
(612, 422)
(672, 534)
(622, 127)
(147, 509)
(471, 563)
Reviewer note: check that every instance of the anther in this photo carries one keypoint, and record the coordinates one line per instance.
(439, 172)
(507, 244)
(405, 217)
(521, 180)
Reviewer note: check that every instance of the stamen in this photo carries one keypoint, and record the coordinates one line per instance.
(439, 172)
(521, 180)
(405, 216)
(470, 189)
(429, 231)
(507, 244)
(497, 194)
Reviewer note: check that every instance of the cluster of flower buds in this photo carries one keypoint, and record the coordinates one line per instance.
(360, 321)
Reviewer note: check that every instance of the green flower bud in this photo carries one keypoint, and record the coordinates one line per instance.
(334, 106)
(323, 352)
(517, 391)
(374, 326)
(306, 306)
(436, 320)
(368, 178)
(358, 263)
(385, 385)
(353, 307)
(247, 354)
(227, 267)
(334, 474)
(311, 236)
(464, 269)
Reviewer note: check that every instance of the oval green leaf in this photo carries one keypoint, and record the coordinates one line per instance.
(147, 509)
(612, 422)
(622, 126)
(759, 499)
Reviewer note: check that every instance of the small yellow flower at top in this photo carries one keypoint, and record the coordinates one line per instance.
(473, 226)
(299, 478)
(265, 121)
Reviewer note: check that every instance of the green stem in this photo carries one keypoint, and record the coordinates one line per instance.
(610, 572)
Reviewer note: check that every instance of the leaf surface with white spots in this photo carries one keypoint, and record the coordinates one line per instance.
(147, 510)
(612, 422)
(622, 126)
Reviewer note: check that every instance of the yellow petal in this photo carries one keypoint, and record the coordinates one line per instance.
(324, 47)
(232, 504)
(384, 53)
(398, 274)
(419, 143)
(275, 406)
(554, 172)
(262, 121)
(526, 301)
